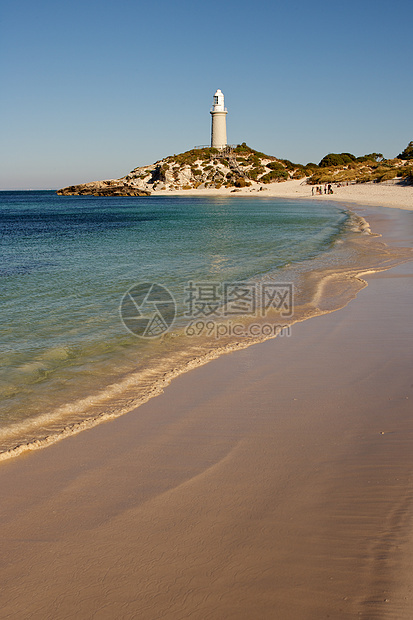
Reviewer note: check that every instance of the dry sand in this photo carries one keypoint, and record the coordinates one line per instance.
(386, 195)
(272, 483)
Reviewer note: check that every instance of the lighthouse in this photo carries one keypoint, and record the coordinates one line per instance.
(219, 121)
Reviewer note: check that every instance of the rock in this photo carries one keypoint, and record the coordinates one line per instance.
(103, 188)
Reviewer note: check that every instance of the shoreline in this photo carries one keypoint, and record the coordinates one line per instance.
(272, 480)
(352, 275)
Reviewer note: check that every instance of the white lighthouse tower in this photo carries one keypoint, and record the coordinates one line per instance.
(219, 121)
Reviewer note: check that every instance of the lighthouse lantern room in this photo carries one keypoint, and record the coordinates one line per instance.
(219, 121)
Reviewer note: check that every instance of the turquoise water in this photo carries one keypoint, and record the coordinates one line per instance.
(67, 262)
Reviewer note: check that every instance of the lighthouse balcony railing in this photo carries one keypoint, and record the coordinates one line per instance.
(208, 146)
(213, 110)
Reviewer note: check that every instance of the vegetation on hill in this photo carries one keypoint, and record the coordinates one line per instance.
(347, 168)
(242, 166)
(341, 159)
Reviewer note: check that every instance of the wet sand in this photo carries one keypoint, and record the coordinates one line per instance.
(272, 483)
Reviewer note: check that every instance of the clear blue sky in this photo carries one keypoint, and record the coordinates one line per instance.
(90, 89)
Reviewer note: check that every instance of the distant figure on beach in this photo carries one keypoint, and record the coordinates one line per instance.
(312, 191)
(330, 189)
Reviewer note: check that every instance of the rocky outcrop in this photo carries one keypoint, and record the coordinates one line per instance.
(202, 168)
(115, 187)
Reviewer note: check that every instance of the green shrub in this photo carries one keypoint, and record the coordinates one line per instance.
(345, 175)
(309, 169)
(288, 164)
(405, 172)
(243, 148)
(275, 165)
(253, 160)
(254, 172)
(407, 153)
(241, 182)
(261, 155)
(370, 157)
(274, 175)
(206, 153)
(190, 157)
(322, 176)
(385, 176)
(336, 159)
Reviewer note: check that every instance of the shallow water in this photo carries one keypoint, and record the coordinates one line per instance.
(67, 357)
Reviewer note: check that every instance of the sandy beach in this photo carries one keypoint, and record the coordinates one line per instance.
(385, 195)
(274, 482)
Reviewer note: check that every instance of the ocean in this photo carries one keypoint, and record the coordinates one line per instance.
(104, 300)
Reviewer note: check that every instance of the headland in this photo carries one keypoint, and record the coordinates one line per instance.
(244, 171)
